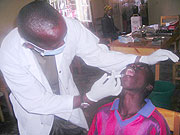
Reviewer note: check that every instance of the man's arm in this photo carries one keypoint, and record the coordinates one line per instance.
(78, 101)
(91, 52)
(159, 55)
(104, 87)
(88, 48)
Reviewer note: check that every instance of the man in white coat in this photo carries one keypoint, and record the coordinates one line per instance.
(35, 59)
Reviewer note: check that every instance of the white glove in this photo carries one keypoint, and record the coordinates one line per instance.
(104, 87)
(159, 55)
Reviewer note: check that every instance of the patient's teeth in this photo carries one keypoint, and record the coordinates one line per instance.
(130, 72)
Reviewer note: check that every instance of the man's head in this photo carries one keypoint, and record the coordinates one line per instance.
(138, 78)
(108, 10)
(42, 25)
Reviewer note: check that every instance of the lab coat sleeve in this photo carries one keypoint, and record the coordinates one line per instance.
(28, 91)
(94, 55)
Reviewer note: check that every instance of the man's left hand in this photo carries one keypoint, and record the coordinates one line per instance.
(159, 55)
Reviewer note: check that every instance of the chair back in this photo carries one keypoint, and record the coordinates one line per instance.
(172, 119)
(168, 19)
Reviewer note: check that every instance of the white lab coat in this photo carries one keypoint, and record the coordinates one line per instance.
(33, 102)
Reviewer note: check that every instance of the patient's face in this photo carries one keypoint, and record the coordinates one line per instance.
(134, 77)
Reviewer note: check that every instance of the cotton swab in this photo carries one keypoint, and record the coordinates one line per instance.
(116, 76)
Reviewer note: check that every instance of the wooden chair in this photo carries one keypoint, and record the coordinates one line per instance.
(172, 118)
(5, 93)
(168, 19)
(176, 38)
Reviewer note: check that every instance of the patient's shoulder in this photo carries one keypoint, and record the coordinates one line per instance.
(105, 108)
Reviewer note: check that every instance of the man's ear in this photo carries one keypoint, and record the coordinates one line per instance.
(149, 87)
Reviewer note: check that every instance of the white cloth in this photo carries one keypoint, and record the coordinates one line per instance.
(33, 102)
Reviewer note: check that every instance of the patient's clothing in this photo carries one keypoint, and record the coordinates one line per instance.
(148, 121)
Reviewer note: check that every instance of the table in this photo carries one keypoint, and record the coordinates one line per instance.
(137, 48)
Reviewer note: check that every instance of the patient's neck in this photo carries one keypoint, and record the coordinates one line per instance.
(130, 103)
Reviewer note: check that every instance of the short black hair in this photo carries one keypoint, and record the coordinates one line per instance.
(32, 18)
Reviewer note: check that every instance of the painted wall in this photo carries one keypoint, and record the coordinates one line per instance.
(158, 8)
(97, 8)
(8, 13)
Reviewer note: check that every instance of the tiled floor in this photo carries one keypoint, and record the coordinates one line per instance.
(84, 79)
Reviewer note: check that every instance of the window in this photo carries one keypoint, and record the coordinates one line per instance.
(84, 11)
(79, 9)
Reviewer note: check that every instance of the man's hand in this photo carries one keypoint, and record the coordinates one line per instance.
(159, 55)
(104, 87)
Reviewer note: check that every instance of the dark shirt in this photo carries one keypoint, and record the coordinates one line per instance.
(108, 27)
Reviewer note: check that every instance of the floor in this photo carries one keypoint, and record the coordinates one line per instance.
(84, 78)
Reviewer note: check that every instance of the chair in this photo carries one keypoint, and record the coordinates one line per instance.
(5, 93)
(172, 119)
(176, 37)
(176, 72)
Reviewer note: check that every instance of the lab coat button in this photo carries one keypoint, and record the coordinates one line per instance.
(60, 71)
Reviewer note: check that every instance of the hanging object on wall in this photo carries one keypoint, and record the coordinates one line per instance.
(136, 23)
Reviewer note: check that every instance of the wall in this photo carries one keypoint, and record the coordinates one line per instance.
(97, 8)
(8, 12)
(158, 8)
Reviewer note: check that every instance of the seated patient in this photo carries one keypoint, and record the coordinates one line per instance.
(131, 113)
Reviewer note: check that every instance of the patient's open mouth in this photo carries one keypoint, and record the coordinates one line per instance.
(130, 72)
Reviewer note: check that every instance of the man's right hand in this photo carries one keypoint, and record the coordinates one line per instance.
(104, 87)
